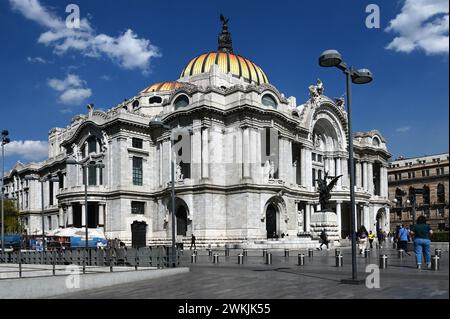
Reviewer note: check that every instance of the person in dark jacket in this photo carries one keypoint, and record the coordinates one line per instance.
(193, 242)
(324, 238)
(421, 233)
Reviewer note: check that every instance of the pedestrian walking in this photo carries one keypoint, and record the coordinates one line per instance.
(371, 238)
(421, 233)
(193, 242)
(362, 239)
(324, 238)
(403, 236)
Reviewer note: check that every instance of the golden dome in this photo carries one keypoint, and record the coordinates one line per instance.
(162, 86)
(227, 62)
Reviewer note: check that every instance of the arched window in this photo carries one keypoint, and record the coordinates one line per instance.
(155, 100)
(441, 193)
(375, 141)
(268, 100)
(426, 195)
(181, 101)
(135, 104)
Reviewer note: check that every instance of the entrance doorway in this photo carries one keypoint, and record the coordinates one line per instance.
(182, 221)
(271, 221)
(138, 234)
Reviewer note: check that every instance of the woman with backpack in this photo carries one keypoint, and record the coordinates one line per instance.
(362, 239)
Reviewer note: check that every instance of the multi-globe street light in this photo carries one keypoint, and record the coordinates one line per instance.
(332, 58)
(5, 140)
(158, 124)
(85, 166)
(42, 180)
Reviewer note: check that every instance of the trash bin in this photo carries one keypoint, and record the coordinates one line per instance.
(339, 261)
(435, 262)
(383, 261)
(269, 259)
(301, 259)
(240, 259)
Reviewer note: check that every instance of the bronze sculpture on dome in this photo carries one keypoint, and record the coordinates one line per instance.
(225, 42)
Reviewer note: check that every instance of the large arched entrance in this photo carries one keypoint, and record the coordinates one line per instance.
(381, 220)
(271, 220)
(182, 220)
(138, 234)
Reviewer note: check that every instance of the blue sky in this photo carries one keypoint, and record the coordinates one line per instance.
(49, 74)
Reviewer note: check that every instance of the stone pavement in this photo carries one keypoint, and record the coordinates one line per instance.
(318, 278)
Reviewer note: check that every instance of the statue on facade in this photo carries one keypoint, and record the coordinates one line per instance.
(178, 173)
(271, 170)
(315, 91)
(340, 102)
(325, 190)
(104, 141)
(76, 151)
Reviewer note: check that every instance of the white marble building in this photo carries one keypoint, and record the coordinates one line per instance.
(235, 188)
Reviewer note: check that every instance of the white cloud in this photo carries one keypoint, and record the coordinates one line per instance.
(71, 89)
(422, 25)
(126, 50)
(27, 150)
(36, 60)
(403, 129)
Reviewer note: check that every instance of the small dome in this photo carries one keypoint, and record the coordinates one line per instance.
(163, 86)
(227, 62)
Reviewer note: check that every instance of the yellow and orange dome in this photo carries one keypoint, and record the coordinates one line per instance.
(163, 86)
(227, 62)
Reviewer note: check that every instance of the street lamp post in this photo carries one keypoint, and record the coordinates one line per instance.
(332, 58)
(5, 140)
(157, 124)
(42, 181)
(85, 166)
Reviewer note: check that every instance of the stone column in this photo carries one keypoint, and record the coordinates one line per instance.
(358, 175)
(338, 172)
(308, 168)
(196, 165)
(69, 216)
(308, 217)
(61, 217)
(160, 159)
(83, 215)
(370, 178)
(366, 217)
(245, 152)
(383, 182)
(303, 166)
(205, 153)
(345, 172)
(332, 167)
(339, 218)
(365, 179)
(101, 215)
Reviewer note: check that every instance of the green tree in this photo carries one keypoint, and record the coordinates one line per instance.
(12, 217)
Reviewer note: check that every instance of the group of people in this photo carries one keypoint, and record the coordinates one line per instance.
(419, 233)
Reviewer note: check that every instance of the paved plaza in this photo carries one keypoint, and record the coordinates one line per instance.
(318, 278)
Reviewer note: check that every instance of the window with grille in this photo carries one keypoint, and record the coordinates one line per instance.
(137, 142)
(137, 207)
(137, 171)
